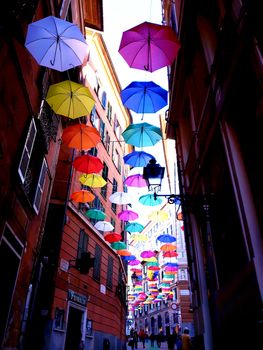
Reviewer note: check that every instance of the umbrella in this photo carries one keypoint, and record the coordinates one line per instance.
(150, 200)
(166, 238)
(139, 237)
(56, 43)
(134, 262)
(144, 97)
(138, 158)
(81, 136)
(147, 254)
(70, 99)
(120, 198)
(128, 215)
(170, 254)
(103, 226)
(142, 134)
(129, 257)
(118, 245)
(136, 180)
(124, 252)
(159, 216)
(149, 46)
(134, 227)
(88, 164)
(168, 247)
(82, 196)
(95, 214)
(112, 237)
(92, 180)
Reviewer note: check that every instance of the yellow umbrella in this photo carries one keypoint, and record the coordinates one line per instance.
(70, 99)
(92, 180)
(158, 215)
(140, 237)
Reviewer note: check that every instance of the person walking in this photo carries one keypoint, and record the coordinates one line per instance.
(186, 340)
(142, 337)
(171, 340)
(152, 338)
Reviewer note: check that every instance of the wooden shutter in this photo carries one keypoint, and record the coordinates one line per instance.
(110, 272)
(40, 186)
(97, 263)
(82, 243)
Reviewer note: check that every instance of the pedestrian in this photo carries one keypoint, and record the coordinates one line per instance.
(142, 337)
(131, 339)
(135, 339)
(186, 340)
(152, 338)
(159, 339)
(171, 340)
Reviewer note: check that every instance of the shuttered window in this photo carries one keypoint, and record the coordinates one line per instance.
(27, 151)
(97, 263)
(40, 186)
(82, 243)
(110, 272)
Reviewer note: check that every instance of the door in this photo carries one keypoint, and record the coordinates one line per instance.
(74, 329)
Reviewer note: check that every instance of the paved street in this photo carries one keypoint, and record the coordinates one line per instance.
(149, 347)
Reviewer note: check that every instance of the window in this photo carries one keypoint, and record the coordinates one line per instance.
(109, 272)
(102, 131)
(93, 151)
(117, 128)
(94, 118)
(97, 263)
(107, 142)
(109, 112)
(83, 243)
(112, 221)
(105, 172)
(40, 186)
(117, 160)
(104, 99)
(27, 151)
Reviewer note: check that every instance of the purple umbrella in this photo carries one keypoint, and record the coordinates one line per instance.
(147, 254)
(136, 180)
(128, 215)
(149, 46)
(134, 262)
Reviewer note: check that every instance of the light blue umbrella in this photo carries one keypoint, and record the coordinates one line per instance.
(149, 200)
(134, 227)
(142, 134)
(138, 158)
(56, 43)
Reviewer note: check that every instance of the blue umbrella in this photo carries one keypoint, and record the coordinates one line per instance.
(166, 238)
(134, 227)
(142, 134)
(129, 258)
(138, 158)
(56, 43)
(144, 97)
(150, 200)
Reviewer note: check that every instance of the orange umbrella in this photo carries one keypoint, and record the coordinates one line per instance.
(82, 196)
(168, 247)
(81, 136)
(124, 252)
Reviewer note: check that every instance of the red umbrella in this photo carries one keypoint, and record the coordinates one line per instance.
(149, 46)
(88, 164)
(112, 237)
(128, 215)
(170, 254)
(81, 136)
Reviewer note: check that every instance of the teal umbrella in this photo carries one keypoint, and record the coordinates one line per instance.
(148, 199)
(118, 245)
(134, 227)
(142, 134)
(95, 214)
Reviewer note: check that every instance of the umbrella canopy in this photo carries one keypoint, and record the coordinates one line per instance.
(88, 164)
(95, 214)
(81, 137)
(129, 257)
(144, 97)
(168, 247)
(128, 215)
(70, 99)
(138, 158)
(142, 134)
(82, 196)
(147, 254)
(133, 227)
(170, 254)
(136, 180)
(139, 237)
(124, 252)
(103, 226)
(120, 198)
(149, 200)
(92, 180)
(159, 216)
(149, 46)
(118, 245)
(56, 43)
(134, 262)
(166, 238)
(112, 237)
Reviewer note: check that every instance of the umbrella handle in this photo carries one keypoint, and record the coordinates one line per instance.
(52, 62)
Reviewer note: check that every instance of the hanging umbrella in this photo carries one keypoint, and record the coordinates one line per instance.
(147, 254)
(154, 268)
(124, 252)
(70, 99)
(103, 226)
(158, 216)
(128, 215)
(120, 198)
(134, 227)
(179, 216)
(166, 238)
(112, 237)
(144, 97)
(149, 46)
(129, 257)
(118, 245)
(92, 180)
(136, 180)
(95, 214)
(82, 196)
(168, 247)
(150, 200)
(56, 43)
(139, 237)
(170, 254)
(138, 158)
(81, 136)
(142, 134)
(134, 262)
(88, 164)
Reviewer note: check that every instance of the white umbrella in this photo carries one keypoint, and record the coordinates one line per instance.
(120, 198)
(104, 226)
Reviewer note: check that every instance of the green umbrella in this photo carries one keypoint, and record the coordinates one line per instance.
(148, 199)
(95, 214)
(118, 245)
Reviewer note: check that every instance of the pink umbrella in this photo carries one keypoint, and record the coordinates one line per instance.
(147, 254)
(136, 180)
(134, 262)
(149, 46)
(128, 215)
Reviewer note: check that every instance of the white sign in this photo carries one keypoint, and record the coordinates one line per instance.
(184, 292)
(64, 265)
(102, 289)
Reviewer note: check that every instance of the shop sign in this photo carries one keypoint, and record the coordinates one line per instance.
(77, 298)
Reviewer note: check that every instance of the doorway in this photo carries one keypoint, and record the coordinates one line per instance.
(74, 328)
